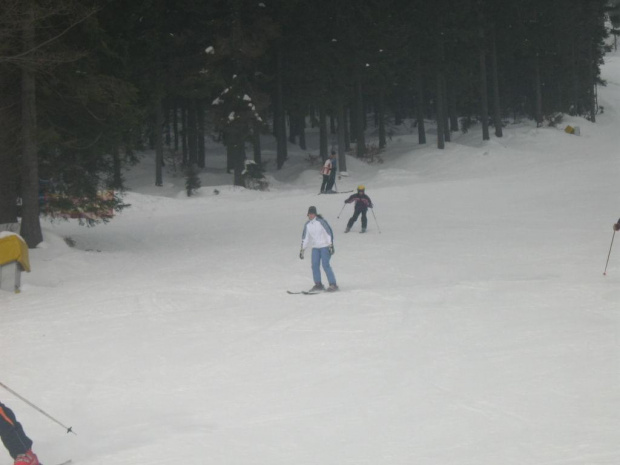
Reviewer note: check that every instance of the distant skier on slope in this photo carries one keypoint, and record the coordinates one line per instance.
(14, 438)
(332, 174)
(318, 233)
(362, 204)
(329, 174)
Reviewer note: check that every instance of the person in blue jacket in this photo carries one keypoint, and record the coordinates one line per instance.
(14, 439)
(318, 233)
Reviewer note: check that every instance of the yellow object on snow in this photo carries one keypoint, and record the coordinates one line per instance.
(13, 249)
(569, 130)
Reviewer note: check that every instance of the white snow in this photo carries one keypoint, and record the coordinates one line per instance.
(475, 328)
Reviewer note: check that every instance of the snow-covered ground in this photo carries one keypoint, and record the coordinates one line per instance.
(474, 324)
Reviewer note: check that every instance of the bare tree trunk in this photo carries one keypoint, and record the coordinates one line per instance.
(439, 108)
(360, 116)
(592, 83)
(446, 111)
(159, 142)
(8, 175)
(484, 100)
(280, 121)
(497, 112)
(323, 131)
(439, 104)
(9, 169)
(352, 116)
(301, 129)
(420, 100)
(292, 128)
(184, 132)
(200, 136)
(454, 118)
(576, 102)
(175, 123)
(192, 133)
(342, 161)
(345, 128)
(538, 90)
(166, 127)
(31, 226)
(256, 147)
(381, 116)
(235, 147)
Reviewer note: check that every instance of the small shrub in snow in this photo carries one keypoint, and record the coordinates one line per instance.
(192, 181)
(253, 176)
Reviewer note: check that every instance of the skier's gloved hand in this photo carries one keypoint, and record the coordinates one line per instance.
(617, 227)
(331, 249)
(301, 254)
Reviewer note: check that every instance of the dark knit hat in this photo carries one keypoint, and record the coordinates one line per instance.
(312, 210)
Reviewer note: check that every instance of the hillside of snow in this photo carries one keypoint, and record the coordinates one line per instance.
(474, 324)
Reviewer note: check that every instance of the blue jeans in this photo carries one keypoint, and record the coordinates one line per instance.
(323, 256)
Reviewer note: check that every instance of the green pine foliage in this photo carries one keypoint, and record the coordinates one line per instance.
(105, 70)
(254, 176)
(192, 180)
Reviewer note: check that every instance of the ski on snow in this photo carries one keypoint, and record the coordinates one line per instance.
(66, 462)
(339, 192)
(303, 292)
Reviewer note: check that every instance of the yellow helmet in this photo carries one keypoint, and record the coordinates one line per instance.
(361, 187)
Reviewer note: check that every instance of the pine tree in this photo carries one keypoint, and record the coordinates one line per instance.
(192, 181)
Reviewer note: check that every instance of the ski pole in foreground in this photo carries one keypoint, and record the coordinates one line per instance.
(69, 429)
(375, 217)
(338, 217)
(610, 246)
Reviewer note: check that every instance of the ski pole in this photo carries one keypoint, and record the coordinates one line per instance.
(338, 217)
(375, 216)
(610, 246)
(69, 429)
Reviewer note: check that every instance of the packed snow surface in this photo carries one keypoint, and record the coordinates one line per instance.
(474, 324)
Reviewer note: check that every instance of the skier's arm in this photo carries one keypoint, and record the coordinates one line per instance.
(305, 237)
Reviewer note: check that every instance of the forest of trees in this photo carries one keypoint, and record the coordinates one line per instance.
(84, 84)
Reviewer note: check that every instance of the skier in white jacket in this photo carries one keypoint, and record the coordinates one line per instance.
(318, 233)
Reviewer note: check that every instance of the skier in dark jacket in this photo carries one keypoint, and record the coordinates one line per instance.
(362, 204)
(14, 438)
